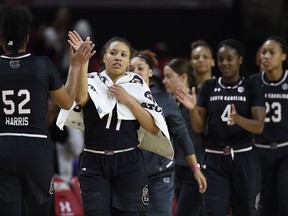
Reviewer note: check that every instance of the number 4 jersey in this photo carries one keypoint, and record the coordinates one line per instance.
(25, 81)
(217, 99)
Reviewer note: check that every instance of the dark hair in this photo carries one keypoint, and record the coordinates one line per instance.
(240, 48)
(148, 56)
(182, 66)
(15, 25)
(201, 43)
(119, 39)
(284, 46)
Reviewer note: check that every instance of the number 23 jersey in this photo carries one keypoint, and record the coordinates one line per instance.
(276, 102)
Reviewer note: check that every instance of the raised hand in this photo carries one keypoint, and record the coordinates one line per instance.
(80, 51)
(82, 54)
(189, 101)
(75, 40)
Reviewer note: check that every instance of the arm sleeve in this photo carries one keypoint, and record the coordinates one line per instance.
(177, 127)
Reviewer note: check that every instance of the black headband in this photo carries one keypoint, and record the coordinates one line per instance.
(147, 59)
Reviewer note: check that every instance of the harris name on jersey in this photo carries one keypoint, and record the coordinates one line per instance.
(17, 121)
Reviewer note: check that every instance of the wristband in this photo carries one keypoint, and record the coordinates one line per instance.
(195, 166)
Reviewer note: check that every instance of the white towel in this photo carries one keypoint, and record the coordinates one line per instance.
(98, 88)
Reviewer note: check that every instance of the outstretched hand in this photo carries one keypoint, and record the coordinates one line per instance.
(82, 55)
(75, 40)
(80, 51)
(189, 101)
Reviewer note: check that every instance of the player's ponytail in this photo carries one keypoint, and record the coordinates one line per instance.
(15, 25)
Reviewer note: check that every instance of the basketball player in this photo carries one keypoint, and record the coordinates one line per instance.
(272, 144)
(26, 82)
(233, 109)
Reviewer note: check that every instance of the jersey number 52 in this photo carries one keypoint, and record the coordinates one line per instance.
(10, 109)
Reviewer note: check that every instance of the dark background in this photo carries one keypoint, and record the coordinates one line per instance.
(175, 23)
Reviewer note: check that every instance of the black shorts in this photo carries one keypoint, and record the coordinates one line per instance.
(274, 191)
(26, 169)
(235, 180)
(116, 181)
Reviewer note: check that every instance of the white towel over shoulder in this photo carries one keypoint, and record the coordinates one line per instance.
(98, 88)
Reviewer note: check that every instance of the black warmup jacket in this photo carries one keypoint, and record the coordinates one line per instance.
(155, 163)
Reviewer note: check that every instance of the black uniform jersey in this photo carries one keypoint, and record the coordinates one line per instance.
(217, 99)
(109, 132)
(25, 81)
(276, 101)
